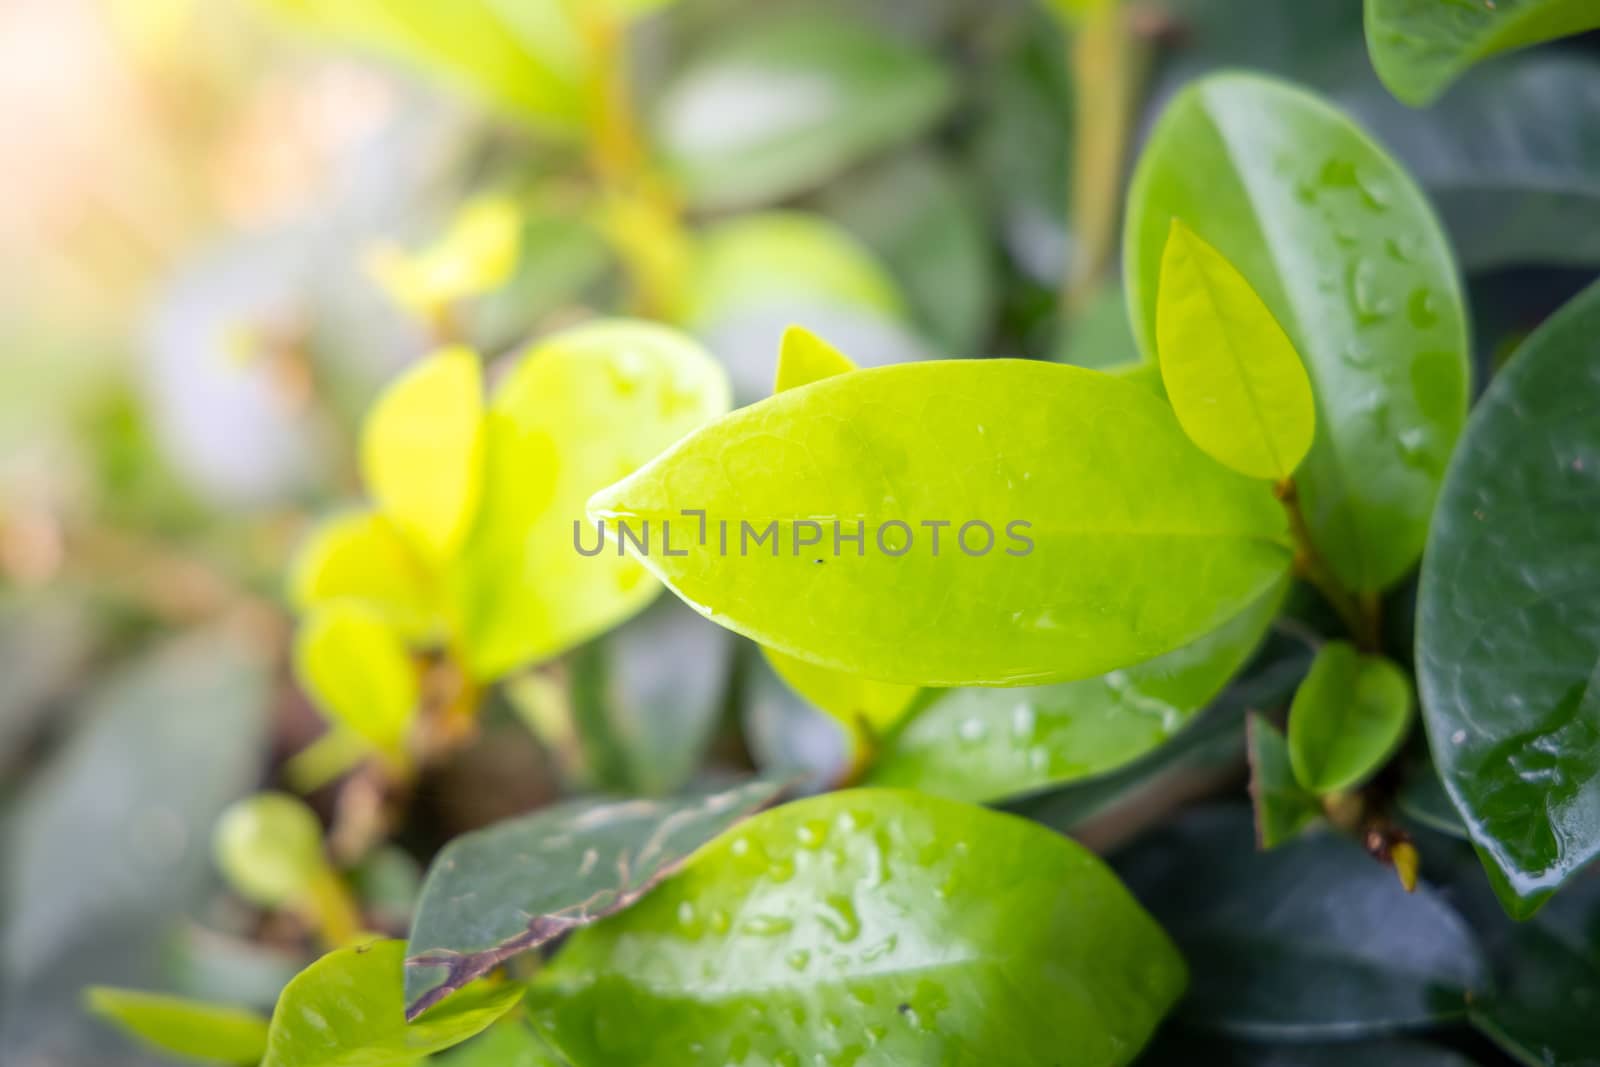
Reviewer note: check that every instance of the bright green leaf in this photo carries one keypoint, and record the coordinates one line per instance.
(269, 847)
(785, 103)
(358, 672)
(1284, 810)
(1113, 538)
(1420, 46)
(507, 889)
(1349, 259)
(506, 1044)
(345, 1010)
(1508, 623)
(422, 449)
(1234, 378)
(360, 556)
(984, 744)
(581, 409)
(872, 919)
(1347, 719)
(189, 1029)
(804, 358)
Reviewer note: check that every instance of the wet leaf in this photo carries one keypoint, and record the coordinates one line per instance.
(1348, 717)
(188, 1029)
(579, 410)
(345, 1010)
(1234, 379)
(868, 919)
(1139, 544)
(360, 556)
(984, 744)
(784, 103)
(357, 670)
(1420, 46)
(1508, 632)
(422, 450)
(1254, 925)
(1283, 808)
(1347, 255)
(498, 892)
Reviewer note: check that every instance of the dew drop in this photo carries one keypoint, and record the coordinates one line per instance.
(838, 914)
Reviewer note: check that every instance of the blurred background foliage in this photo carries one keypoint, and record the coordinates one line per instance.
(227, 224)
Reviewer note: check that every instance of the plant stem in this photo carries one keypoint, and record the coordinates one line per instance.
(1359, 616)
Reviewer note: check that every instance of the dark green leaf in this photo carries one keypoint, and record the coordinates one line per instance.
(786, 102)
(1422, 798)
(1311, 941)
(1509, 617)
(1183, 1048)
(1284, 810)
(868, 926)
(498, 892)
(346, 1010)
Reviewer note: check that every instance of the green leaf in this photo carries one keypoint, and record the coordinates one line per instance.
(189, 1029)
(867, 710)
(506, 1044)
(1234, 378)
(868, 926)
(360, 556)
(357, 670)
(505, 890)
(1420, 46)
(984, 744)
(1139, 543)
(784, 103)
(787, 735)
(1283, 809)
(1311, 941)
(345, 1010)
(422, 449)
(581, 409)
(804, 358)
(1508, 623)
(1351, 262)
(1348, 717)
(269, 848)
(525, 57)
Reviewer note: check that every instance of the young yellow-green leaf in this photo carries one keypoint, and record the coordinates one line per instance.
(476, 255)
(1344, 250)
(188, 1029)
(804, 358)
(982, 745)
(346, 1010)
(356, 669)
(422, 450)
(507, 889)
(1420, 46)
(1081, 531)
(360, 556)
(269, 848)
(581, 409)
(1284, 810)
(866, 709)
(869, 926)
(1233, 376)
(1348, 717)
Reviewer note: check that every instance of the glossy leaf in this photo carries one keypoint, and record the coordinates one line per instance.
(984, 744)
(189, 1029)
(804, 358)
(526, 58)
(1348, 717)
(1348, 257)
(1234, 378)
(581, 409)
(784, 103)
(1140, 544)
(345, 1010)
(868, 925)
(1420, 46)
(360, 675)
(1508, 624)
(422, 450)
(360, 556)
(1253, 925)
(505, 890)
(1283, 808)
